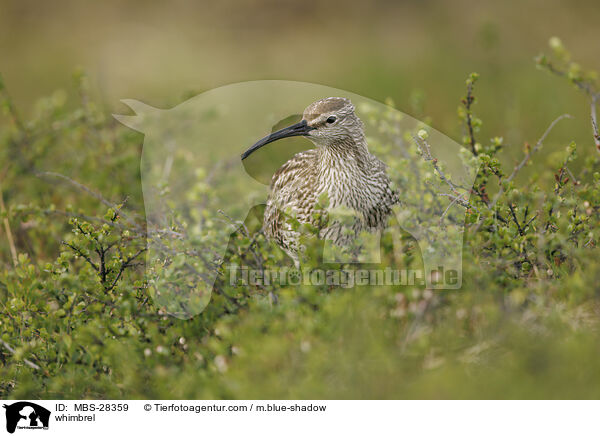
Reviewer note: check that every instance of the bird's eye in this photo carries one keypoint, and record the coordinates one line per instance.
(331, 119)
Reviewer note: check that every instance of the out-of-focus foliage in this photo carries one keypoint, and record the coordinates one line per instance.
(78, 319)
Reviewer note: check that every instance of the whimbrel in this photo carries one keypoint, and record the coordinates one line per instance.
(340, 166)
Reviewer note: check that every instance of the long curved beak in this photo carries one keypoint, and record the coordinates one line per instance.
(298, 129)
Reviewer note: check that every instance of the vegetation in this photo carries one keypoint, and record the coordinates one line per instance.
(79, 317)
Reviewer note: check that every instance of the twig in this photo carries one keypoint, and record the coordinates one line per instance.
(135, 229)
(530, 221)
(520, 229)
(468, 102)
(588, 89)
(89, 191)
(454, 200)
(82, 254)
(458, 199)
(575, 181)
(85, 217)
(581, 84)
(426, 151)
(560, 178)
(9, 235)
(536, 147)
(12, 110)
(515, 219)
(527, 157)
(595, 98)
(27, 362)
(124, 266)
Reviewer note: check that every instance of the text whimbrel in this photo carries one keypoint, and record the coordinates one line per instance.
(340, 166)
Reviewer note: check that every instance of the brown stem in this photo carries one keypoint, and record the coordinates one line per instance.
(9, 235)
(468, 102)
(595, 98)
(124, 266)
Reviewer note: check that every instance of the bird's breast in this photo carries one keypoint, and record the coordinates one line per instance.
(348, 188)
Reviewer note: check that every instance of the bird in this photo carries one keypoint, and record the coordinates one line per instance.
(340, 166)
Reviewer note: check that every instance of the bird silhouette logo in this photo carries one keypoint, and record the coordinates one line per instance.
(26, 415)
(373, 163)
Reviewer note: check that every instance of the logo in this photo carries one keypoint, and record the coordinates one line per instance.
(198, 190)
(26, 415)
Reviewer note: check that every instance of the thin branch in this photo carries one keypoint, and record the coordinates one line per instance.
(426, 151)
(536, 147)
(454, 200)
(87, 190)
(9, 235)
(138, 230)
(588, 89)
(515, 219)
(82, 254)
(85, 217)
(530, 221)
(595, 98)
(527, 157)
(124, 266)
(581, 84)
(575, 181)
(27, 362)
(12, 110)
(468, 102)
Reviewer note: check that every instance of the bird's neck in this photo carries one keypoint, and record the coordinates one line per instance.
(343, 172)
(343, 168)
(347, 155)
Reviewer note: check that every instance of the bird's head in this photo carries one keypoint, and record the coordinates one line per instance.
(325, 122)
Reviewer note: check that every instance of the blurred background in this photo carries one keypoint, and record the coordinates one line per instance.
(417, 53)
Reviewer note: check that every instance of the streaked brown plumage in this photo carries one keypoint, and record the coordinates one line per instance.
(340, 166)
